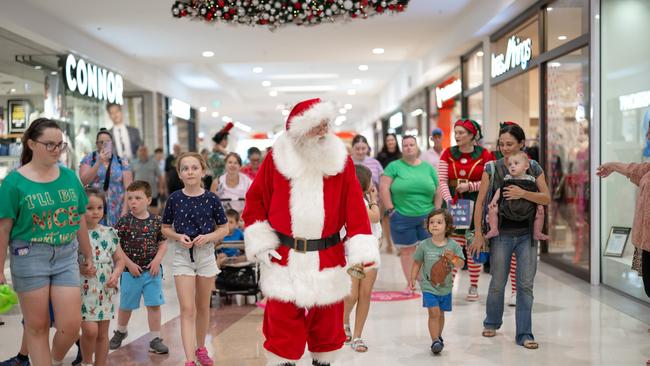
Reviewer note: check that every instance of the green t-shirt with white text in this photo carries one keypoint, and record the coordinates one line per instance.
(43, 212)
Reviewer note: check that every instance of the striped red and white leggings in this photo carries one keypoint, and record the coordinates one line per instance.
(475, 268)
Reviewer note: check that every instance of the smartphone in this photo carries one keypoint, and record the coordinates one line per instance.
(108, 147)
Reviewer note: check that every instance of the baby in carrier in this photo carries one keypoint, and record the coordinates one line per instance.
(518, 209)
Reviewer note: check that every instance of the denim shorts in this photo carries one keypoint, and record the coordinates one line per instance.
(37, 265)
(204, 264)
(134, 288)
(407, 230)
(430, 300)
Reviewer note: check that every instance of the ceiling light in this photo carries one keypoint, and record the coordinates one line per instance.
(597, 16)
(549, 9)
(12, 90)
(479, 53)
(38, 67)
(257, 69)
(554, 64)
(348, 106)
(226, 119)
(215, 114)
(352, 92)
(243, 127)
(417, 112)
(343, 111)
(208, 53)
(266, 83)
(53, 73)
(377, 51)
(304, 76)
(363, 67)
(273, 93)
(285, 112)
(279, 107)
(203, 109)
(306, 88)
(562, 38)
(356, 81)
(339, 120)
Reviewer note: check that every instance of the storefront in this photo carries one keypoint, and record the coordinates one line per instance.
(445, 106)
(415, 117)
(625, 115)
(540, 78)
(472, 64)
(180, 124)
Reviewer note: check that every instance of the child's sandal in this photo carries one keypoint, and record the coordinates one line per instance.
(359, 346)
(348, 333)
(489, 333)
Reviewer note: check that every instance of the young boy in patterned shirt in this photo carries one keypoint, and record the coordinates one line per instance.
(142, 241)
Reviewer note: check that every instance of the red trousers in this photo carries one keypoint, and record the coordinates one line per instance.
(287, 329)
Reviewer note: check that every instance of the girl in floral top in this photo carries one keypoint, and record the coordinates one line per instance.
(97, 307)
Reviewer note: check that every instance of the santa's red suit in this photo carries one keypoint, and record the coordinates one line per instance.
(306, 188)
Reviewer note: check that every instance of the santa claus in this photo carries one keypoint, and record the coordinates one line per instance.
(305, 192)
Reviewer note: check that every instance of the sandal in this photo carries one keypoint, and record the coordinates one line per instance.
(530, 344)
(489, 333)
(348, 333)
(358, 345)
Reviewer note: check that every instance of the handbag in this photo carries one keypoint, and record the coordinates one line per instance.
(463, 213)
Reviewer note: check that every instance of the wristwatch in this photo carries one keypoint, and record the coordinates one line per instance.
(388, 211)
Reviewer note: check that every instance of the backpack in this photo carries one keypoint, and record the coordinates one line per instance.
(521, 209)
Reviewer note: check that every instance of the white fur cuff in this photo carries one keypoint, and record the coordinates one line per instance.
(362, 248)
(326, 357)
(274, 360)
(258, 238)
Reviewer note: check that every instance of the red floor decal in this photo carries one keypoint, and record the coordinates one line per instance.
(393, 296)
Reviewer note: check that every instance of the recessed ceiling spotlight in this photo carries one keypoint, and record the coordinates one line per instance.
(266, 83)
(356, 81)
(554, 64)
(549, 9)
(215, 114)
(38, 67)
(480, 54)
(226, 119)
(12, 90)
(285, 112)
(273, 93)
(562, 38)
(343, 111)
(53, 73)
(348, 106)
(363, 67)
(208, 53)
(378, 51)
(203, 109)
(339, 120)
(352, 92)
(257, 69)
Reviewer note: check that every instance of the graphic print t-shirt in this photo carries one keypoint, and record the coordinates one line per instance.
(194, 216)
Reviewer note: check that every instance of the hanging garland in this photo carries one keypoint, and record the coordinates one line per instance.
(276, 13)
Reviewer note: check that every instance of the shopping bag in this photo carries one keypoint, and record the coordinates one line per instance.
(462, 212)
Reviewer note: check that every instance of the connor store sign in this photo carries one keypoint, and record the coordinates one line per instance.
(92, 81)
(518, 53)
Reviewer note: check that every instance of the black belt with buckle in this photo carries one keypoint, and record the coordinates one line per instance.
(309, 245)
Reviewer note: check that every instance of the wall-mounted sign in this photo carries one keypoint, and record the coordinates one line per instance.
(18, 115)
(634, 101)
(181, 109)
(448, 90)
(518, 53)
(93, 81)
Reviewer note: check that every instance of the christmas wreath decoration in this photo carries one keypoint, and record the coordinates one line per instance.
(276, 13)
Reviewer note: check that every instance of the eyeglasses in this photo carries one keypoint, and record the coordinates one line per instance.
(51, 146)
(324, 126)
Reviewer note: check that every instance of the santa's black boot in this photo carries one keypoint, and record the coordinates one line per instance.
(318, 363)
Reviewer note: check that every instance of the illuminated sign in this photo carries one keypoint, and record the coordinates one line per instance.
(634, 101)
(448, 92)
(93, 81)
(518, 53)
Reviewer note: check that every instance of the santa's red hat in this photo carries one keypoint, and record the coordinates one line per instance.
(308, 114)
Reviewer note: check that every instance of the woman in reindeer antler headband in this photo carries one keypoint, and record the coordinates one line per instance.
(460, 171)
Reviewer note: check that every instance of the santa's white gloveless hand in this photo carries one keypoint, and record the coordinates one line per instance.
(265, 256)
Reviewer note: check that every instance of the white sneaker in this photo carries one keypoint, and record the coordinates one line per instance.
(472, 295)
(513, 299)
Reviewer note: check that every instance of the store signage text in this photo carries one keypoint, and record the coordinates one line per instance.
(447, 92)
(518, 53)
(634, 101)
(93, 81)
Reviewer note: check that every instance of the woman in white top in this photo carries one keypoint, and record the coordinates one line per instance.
(233, 185)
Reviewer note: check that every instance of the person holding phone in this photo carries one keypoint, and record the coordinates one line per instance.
(105, 170)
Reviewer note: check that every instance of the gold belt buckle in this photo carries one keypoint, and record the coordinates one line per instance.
(297, 241)
(461, 181)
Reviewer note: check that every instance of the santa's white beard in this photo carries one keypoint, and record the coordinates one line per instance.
(313, 149)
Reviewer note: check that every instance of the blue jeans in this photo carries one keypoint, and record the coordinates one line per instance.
(501, 249)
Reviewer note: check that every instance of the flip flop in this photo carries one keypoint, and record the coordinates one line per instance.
(530, 344)
(489, 333)
(348, 333)
(358, 345)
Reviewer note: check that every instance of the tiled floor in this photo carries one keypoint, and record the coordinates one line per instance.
(575, 323)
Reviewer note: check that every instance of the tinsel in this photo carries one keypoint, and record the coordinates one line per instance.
(277, 13)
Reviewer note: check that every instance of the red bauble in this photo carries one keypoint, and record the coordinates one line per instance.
(232, 11)
(226, 16)
(354, 15)
(364, 3)
(400, 7)
(221, 3)
(391, 7)
(184, 13)
(297, 6)
(380, 9)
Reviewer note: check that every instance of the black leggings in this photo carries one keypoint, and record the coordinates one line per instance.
(645, 270)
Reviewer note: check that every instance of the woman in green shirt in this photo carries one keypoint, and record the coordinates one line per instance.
(408, 189)
(42, 223)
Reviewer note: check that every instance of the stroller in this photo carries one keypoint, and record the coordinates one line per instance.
(237, 278)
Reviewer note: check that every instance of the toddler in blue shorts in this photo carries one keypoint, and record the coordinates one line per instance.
(436, 298)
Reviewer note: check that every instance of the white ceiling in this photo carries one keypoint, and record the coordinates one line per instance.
(145, 31)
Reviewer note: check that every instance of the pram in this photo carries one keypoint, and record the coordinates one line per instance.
(236, 278)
